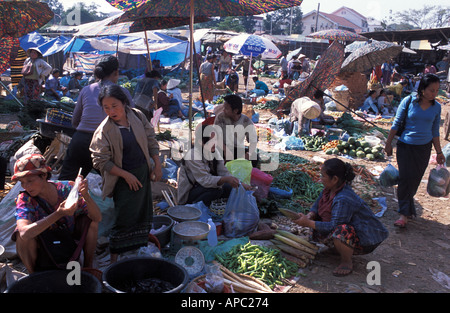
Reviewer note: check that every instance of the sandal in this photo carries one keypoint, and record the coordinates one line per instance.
(400, 223)
(342, 271)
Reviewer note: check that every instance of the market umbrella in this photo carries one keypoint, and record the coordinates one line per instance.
(253, 46)
(323, 75)
(20, 17)
(370, 55)
(292, 53)
(446, 47)
(358, 44)
(337, 34)
(115, 25)
(198, 8)
(7, 45)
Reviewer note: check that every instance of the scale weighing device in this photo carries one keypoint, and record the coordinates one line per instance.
(185, 235)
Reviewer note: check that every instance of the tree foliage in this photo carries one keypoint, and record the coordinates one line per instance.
(430, 16)
(87, 13)
(284, 21)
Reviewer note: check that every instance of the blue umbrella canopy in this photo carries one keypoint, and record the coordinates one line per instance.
(252, 45)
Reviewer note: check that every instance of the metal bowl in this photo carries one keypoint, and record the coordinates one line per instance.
(191, 230)
(183, 213)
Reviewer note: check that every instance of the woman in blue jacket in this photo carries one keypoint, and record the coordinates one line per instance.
(422, 116)
(341, 219)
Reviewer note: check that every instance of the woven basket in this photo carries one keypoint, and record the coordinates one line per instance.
(217, 207)
(58, 117)
(343, 96)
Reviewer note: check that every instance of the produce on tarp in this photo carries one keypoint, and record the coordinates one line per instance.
(264, 263)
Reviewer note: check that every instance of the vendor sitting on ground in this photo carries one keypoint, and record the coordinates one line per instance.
(74, 85)
(261, 88)
(370, 104)
(41, 208)
(235, 128)
(284, 82)
(341, 219)
(203, 175)
(53, 88)
(170, 106)
(397, 89)
(383, 103)
(232, 80)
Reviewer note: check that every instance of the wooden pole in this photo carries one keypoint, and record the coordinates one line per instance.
(148, 52)
(191, 68)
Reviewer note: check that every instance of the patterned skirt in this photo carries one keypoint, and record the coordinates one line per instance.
(32, 89)
(134, 213)
(346, 234)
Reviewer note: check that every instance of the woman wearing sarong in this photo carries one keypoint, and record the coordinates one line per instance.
(125, 151)
(207, 78)
(34, 71)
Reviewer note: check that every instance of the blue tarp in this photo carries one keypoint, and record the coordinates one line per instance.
(169, 57)
(31, 40)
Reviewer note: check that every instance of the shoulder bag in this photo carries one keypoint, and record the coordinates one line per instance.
(401, 128)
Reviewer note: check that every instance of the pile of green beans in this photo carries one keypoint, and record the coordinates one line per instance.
(260, 262)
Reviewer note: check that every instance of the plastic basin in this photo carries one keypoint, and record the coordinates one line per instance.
(55, 281)
(163, 235)
(120, 274)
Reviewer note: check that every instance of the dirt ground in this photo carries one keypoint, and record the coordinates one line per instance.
(406, 258)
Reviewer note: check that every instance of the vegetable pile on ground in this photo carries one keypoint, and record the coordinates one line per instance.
(295, 248)
(349, 124)
(302, 185)
(353, 147)
(260, 262)
(267, 105)
(314, 143)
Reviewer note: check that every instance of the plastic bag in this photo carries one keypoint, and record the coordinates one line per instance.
(213, 279)
(389, 177)
(277, 193)
(241, 213)
(438, 182)
(241, 169)
(169, 170)
(446, 152)
(262, 181)
(294, 143)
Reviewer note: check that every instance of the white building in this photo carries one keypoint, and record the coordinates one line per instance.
(343, 18)
(325, 21)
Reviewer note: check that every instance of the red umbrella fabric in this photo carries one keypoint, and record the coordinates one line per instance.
(337, 34)
(8, 44)
(20, 17)
(324, 73)
(138, 24)
(206, 8)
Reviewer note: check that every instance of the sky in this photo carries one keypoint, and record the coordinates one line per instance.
(379, 9)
